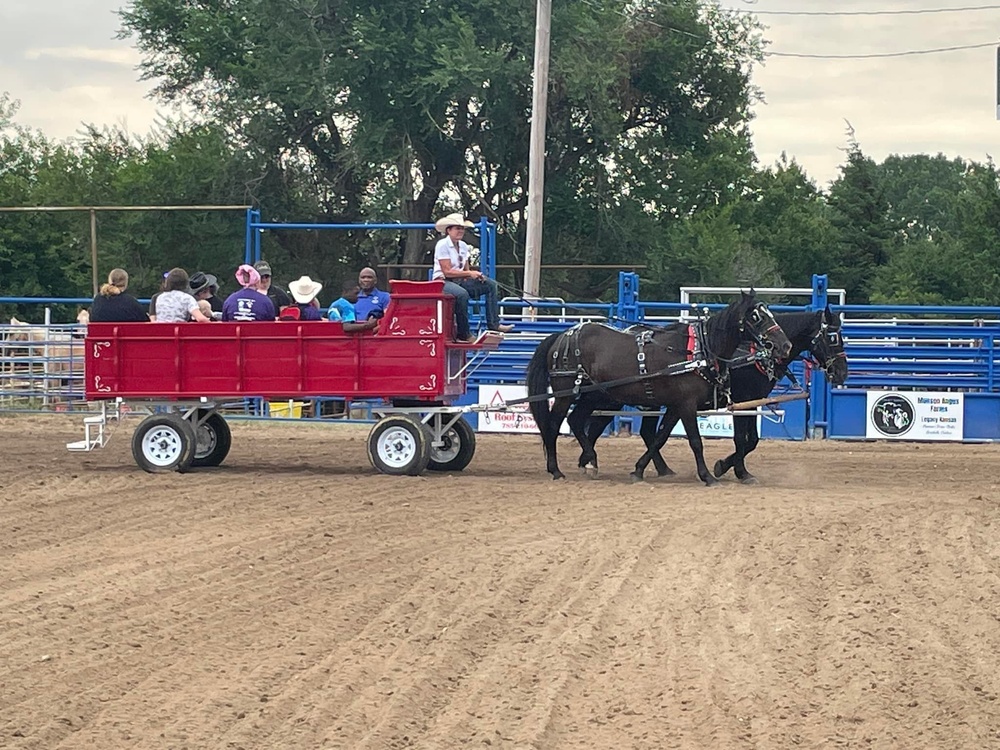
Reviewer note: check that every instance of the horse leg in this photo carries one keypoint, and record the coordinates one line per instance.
(578, 420)
(587, 432)
(648, 432)
(739, 439)
(550, 433)
(746, 443)
(690, 421)
(653, 447)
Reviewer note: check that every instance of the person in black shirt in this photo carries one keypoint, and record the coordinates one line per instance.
(278, 296)
(114, 305)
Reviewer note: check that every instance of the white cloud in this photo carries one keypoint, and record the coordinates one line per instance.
(915, 104)
(62, 59)
(112, 55)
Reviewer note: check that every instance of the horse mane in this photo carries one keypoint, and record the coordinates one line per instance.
(722, 329)
(801, 328)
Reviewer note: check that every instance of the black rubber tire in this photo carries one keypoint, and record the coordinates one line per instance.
(214, 439)
(459, 448)
(399, 445)
(163, 442)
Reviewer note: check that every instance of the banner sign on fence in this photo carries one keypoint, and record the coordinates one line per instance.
(515, 419)
(714, 426)
(915, 415)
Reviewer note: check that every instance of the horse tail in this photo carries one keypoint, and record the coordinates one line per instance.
(538, 383)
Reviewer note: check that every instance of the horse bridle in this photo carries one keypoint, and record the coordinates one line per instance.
(834, 341)
(760, 316)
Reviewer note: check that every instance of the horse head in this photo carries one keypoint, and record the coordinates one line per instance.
(827, 348)
(764, 330)
(746, 321)
(20, 330)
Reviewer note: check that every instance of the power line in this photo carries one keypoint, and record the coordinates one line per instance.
(906, 53)
(869, 56)
(913, 12)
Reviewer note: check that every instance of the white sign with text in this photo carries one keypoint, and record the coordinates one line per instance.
(516, 418)
(914, 415)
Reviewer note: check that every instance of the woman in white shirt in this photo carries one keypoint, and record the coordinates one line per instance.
(175, 304)
(451, 263)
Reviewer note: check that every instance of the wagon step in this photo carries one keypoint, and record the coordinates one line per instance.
(93, 428)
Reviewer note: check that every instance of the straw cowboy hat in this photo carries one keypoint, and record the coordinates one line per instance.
(452, 220)
(304, 289)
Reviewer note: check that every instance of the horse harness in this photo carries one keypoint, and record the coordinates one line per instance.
(775, 369)
(566, 361)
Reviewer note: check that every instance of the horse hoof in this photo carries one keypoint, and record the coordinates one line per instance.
(719, 469)
(557, 476)
(636, 478)
(749, 479)
(711, 481)
(667, 473)
(590, 470)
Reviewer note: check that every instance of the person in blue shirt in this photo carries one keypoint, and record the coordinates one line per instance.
(342, 309)
(372, 301)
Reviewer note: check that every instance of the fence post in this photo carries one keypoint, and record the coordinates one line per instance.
(820, 284)
(258, 233)
(818, 387)
(487, 247)
(628, 296)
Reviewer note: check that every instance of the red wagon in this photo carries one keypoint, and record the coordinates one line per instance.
(190, 371)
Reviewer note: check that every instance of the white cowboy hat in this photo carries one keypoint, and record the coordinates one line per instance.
(304, 289)
(452, 220)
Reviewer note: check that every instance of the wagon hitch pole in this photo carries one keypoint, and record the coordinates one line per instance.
(746, 405)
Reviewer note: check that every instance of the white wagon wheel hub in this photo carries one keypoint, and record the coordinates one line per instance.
(396, 446)
(162, 445)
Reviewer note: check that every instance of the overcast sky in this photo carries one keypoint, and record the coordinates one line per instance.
(61, 59)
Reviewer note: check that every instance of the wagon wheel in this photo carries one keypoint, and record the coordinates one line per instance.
(399, 445)
(458, 449)
(214, 439)
(164, 442)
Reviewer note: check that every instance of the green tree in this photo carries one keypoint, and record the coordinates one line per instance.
(786, 217)
(860, 214)
(402, 110)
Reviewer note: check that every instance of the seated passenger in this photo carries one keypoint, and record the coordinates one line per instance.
(175, 304)
(370, 306)
(304, 291)
(206, 308)
(342, 309)
(274, 292)
(451, 263)
(203, 287)
(248, 304)
(156, 294)
(113, 304)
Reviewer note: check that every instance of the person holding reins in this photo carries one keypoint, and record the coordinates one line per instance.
(451, 264)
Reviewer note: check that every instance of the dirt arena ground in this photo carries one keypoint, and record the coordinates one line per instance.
(294, 598)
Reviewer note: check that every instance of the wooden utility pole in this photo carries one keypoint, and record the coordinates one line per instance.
(536, 154)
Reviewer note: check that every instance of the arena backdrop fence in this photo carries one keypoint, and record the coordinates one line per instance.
(916, 372)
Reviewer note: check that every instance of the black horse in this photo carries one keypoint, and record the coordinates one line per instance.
(678, 367)
(815, 332)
